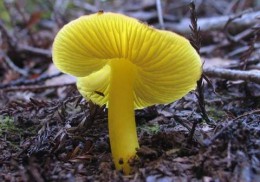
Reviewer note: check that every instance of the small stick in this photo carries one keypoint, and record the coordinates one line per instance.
(243, 49)
(229, 155)
(192, 131)
(252, 76)
(160, 14)
(10, 63)
(9, 39)
(29, 82)
(34, 50)
(215, 23)
(36, 87)
(198, 135)
(210, 141)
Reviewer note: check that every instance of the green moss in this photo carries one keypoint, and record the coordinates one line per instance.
(215, 113)
(5, 124)
(3, 13)
(149, 128)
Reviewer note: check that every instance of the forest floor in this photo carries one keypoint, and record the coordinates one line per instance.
(48, 132)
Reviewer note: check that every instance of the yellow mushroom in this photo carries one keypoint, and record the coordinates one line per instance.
(126, 65)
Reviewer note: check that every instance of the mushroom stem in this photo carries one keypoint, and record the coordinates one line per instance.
(121, 121)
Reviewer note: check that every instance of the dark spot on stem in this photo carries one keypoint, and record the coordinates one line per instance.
(121, 161)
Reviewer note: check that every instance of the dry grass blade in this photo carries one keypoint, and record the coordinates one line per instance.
(196, 43)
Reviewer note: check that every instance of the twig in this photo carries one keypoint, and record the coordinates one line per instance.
(14, 45)
(160, 14)
(144, 5)
(29, 82)
(198, 135)
(34, 50)
(251, 47)
(192, 131)
(5, 34)
(208, 142)
(243, 49)
(215, 23)
(12, 65)
(229, 21)
(143, 15)
(252, 76)
(229, 155)
(35, 87)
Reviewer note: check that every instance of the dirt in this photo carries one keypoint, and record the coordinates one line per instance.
(67, 140)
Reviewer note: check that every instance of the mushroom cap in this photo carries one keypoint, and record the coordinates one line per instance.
(166, 65)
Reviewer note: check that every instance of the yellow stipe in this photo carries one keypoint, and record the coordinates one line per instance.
(121, 122)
